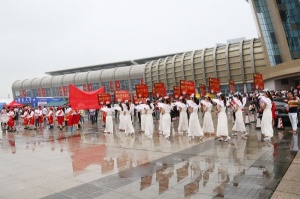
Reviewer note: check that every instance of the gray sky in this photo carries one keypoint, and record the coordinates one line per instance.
(37, 36)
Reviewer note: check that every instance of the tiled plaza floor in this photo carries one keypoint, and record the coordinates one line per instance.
(89, 164)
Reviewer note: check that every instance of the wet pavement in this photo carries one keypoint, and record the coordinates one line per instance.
(90, 164)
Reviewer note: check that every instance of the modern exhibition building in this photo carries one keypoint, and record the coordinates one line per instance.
(275, 54)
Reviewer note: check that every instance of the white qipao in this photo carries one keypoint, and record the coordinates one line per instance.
(128, 127)
(239, 124)
(208, 125)
(266, 121)
(222, 128)
(183, 118)
(194, 124)
(122, 123)
(149, 120)
(166, 120)
(109, 125)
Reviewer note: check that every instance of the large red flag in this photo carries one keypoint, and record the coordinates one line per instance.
(79, 99)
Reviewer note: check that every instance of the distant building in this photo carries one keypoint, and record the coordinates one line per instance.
(278, 24)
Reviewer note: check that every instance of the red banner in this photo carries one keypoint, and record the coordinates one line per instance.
(122, 96)
(66, 90)
(136, 100)
(21, 93)
(44, 92)
(80, 99)
(187, 87)
(159, 90)
(60, 90)
(103, 98)
(176, 92)
(84, 87)
(214, 85)
(202, 90)
(231, 86)
(111, 86)
(118, 85)
(258, 81)
(24, 93)
(90, 87)
(141, 90)
(39, 92)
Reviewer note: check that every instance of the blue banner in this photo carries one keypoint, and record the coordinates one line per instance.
(38, 101)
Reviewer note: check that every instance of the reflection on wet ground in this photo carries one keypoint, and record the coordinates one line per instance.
(90, 164)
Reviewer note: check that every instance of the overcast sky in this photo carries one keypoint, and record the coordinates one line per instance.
(37, 36)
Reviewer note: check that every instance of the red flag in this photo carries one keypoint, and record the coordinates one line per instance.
(79, 99)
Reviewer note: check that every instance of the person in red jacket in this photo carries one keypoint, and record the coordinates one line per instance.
(273, 109)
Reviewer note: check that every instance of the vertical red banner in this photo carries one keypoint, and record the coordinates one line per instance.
(60, 90)
(90, 87)
(111, 86)
(231, 86)
(44, 92)
(214, 85)
(39, 92)
(141, 90)
(187, 87)
(66, 90)
(176, 92)
(202, 90)
(24, 93)
(84, 87)
(118, 85)
(21, 93)
(258, 81)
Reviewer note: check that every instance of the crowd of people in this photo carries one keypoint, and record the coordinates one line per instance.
(165, 110)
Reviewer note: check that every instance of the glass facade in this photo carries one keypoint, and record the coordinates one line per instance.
(268, 32)
(134, 82)
(95, 86)
(55, 91)
(107, 86)
(290, 16)
(124, 85)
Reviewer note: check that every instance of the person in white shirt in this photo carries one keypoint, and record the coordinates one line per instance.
(45, 113)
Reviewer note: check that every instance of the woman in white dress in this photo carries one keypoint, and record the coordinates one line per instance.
(160, 117)
(222, 128)
(183, 118)
(109, 125)
(149, 119)
(122, 123)
(166, 118)
(239, 125)
(143, 117)
(194, 124)
(208, 125)
(266, 121)
(127, 113)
